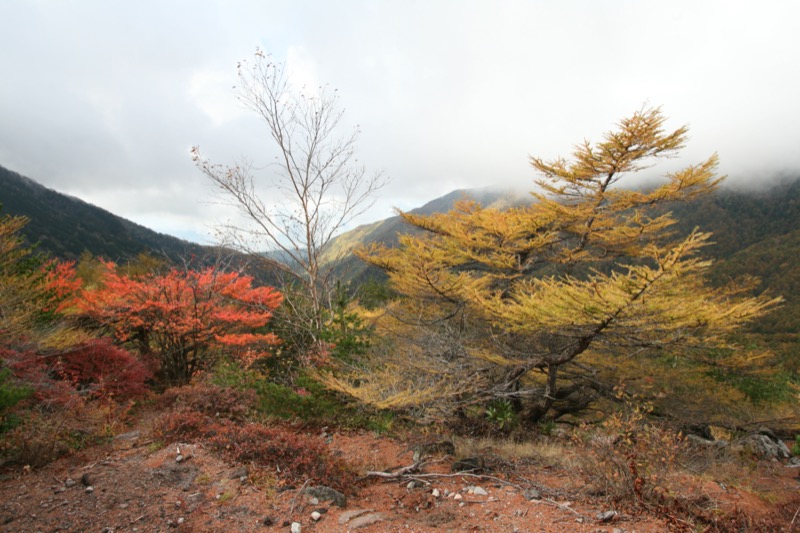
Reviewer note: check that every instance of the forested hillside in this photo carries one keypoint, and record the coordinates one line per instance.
(582, 330)
(66, 227)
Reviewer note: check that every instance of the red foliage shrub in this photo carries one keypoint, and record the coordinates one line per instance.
(184, 317)
(183, 425)
(211, 400)
(105, 370)
(97, 370)
(293, 457)
(40, 373)
(296, 457)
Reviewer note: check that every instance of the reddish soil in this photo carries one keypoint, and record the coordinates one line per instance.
(131, 484)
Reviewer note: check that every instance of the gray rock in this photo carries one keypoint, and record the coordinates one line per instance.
(366, 520)
(324, 493)
(131, 435)
(346, 516)
(479, 491)
(794, 462)
(606, 516)
(764, 447)
(296, 527)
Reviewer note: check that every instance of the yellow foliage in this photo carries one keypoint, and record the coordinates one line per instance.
(588, 268)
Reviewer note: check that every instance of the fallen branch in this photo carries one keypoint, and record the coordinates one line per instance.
(62, 504)
(395, 475)
(299, 492)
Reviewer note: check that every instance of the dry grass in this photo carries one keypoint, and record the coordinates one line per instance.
(546, 451)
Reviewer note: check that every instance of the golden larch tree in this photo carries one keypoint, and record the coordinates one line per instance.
(516, 304)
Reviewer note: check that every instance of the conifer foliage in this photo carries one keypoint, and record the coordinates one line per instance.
(517, 304)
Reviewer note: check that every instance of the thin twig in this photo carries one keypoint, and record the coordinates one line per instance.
(62, 504)
(794, 517)
(394, 475)
(299, 492)
(562, 506)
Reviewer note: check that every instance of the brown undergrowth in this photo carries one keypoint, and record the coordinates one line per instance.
(206, 415)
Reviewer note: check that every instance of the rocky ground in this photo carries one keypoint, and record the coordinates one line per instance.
(135, 484)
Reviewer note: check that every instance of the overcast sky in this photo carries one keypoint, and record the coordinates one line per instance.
(104, 99)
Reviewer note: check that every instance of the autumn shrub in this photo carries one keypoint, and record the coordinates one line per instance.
(211, 400)
(295, 457)
(103, 370)
(631, 459)
(292, 457)
(40, 439)
(183, 425)
(46, 433)
(41, 375)
(184, 318)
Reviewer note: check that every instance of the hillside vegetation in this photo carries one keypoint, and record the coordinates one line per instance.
(583, 331)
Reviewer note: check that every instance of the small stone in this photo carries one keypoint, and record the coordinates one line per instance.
(479, 491)
(349, 515)
(606, 516)
(89, 489)
(532, 494)
(413, 484)
(69, 482)
(179, 458)
(366, 520)
(328, 494)
(458, 497)
(435, 493)
(296, 527)
(181, 520)
(315, 516)
(239, 473)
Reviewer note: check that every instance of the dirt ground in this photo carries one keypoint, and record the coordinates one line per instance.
(132, 484)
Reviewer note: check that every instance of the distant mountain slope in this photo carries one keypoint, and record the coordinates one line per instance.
(65, 226)
(737, 218)
(388, 230)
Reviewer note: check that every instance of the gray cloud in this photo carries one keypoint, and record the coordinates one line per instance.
(103, 100)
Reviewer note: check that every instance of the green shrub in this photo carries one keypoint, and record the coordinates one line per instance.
(501, 413)
(10, 395)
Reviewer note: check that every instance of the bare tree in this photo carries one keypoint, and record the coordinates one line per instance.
(313, 189)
